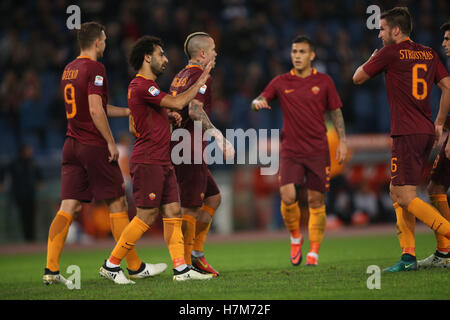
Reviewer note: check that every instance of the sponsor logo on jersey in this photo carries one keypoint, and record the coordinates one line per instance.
(153, 91)
(98, 81)
(202, 89)
(315, 89)
(288, 90)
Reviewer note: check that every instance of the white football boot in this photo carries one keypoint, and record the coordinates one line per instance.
(190, 274)
(115, 274)
(147, 270)
(54, 277)
(434, 261)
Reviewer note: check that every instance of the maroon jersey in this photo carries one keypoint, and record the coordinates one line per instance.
(303, 103)
(182, 82)
(410, 71)
(152, 145)
(81, 78)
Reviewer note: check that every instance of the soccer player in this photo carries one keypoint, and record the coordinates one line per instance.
(199, 194)
(305, 95)
(410, 71)
(438, 186)
(153, 177)
(89, 156)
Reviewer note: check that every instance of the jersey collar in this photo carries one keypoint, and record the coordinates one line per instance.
(314, 71)
(194, 66)
(142, 76)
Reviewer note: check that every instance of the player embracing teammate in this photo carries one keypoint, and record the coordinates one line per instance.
(410, 71)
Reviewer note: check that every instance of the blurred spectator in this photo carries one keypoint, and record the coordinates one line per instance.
(25, 177)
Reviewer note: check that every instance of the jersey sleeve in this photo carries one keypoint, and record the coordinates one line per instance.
(152, 94)
(333, 99)
(441, 71)
(379, 62)
(97, 79)
(270, 91)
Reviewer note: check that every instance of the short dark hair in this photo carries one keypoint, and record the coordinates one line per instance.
(445, 26)
(399, 17)
(144, 45)
(88, 33)
(188, 50)
(305, 39)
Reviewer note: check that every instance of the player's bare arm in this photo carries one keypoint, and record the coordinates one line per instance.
(444, 107)
(260, 103)
(181, 100)
(360, 75)
(117, 112)
(338, 121)
(197, 113)
(100, 120)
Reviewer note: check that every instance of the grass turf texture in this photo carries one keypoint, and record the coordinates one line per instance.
(249, 270)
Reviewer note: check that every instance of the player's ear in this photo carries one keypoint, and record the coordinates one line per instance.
(148, 58)
(313, 55)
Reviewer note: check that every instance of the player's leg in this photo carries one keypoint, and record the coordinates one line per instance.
(316, 225)
(74, 189)
(137, 269)
(203, 224)
(290, 211)
(173, 236)
(57, 234)
(131, 234)
(437, 189)
(441, 257)
(317, 183)
(188, 227)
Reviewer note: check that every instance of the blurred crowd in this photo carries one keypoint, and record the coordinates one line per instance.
(253, 39)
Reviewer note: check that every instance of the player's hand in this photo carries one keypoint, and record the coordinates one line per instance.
(113, 152)
(438, 134)
(226, 147)
(175, 118)
(205, 75)
(447, 150)
(341, 152)
(131, 126)
(258, 104)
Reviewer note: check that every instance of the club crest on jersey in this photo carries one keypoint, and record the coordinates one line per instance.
(315, 89)
(202, 89)
(152, 196)
(153, 91)
(98, 81)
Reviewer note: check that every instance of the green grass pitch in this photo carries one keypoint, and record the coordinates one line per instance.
(258, 270)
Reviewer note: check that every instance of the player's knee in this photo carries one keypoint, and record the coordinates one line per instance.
(213, 201)
(146, 215)
(118, 204)
(72, 207)
(288, 197)
(436, 189)
(316, 201)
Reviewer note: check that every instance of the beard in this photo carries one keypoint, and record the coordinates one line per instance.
(157, 70)
(388, 40)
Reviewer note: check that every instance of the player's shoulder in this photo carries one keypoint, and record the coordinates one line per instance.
(322, 76)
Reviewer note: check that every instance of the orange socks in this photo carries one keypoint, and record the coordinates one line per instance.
(316, 227)
(56, 239)
(202, 229)
(119, 221)
(430, 216)
(291, 218)
(439, 201)
(127, 241)
(405, 229)
(174, 239)
(188, 228)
